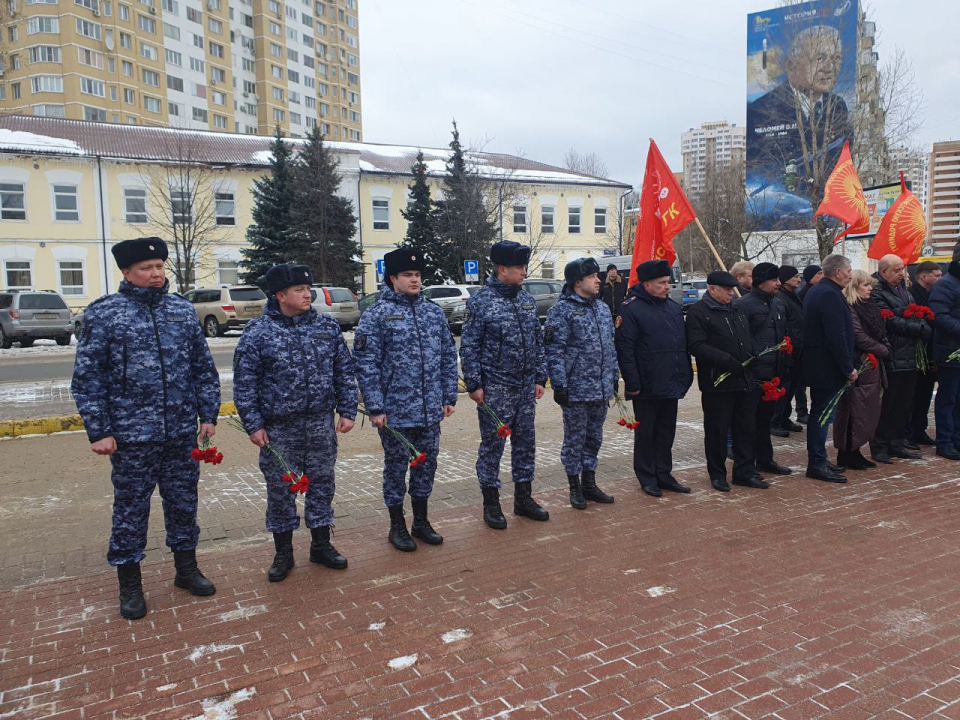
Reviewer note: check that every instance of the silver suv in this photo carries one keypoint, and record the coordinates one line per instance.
(545, 292)
(226, 308)
(337, 302)
(453, 300)
(26, 316)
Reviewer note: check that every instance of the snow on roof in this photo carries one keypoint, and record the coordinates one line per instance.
(25, 134)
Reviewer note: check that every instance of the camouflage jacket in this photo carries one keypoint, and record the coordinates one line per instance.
(581, 355)
(502, 341)
(288, 365)
(143, 371)
(406, 360)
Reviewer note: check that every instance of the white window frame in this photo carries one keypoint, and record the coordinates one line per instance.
(23, 201)
(67, 290)
(127, 197)
(223, 266)
(600, 213)
(57, 190)
(185, 197)
(34, 25)
(381, 204)
(548, 227)
(574, 219)
(7, 270)
(520, 218)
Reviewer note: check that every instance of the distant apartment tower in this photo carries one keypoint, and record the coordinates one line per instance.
(916, 169)
(245, 66)
(943, 205)
(713, 145)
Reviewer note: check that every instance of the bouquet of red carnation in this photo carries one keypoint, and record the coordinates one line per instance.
(295, 481)
(206, 452)
(887, 314)
(626, 418)
(920, 312)
(503, 430)
(785, 346)
(772, 390)
(870, 363)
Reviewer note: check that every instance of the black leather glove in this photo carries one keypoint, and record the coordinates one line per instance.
(561, 396)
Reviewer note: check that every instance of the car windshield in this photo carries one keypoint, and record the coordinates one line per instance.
(246, 294)
(42, 301)
(340, 295)
(473, 290)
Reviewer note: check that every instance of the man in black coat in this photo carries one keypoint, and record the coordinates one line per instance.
(889, 440)
(812, 274)
(925, 278)
(781, 425)
(652, 354)
(718, 336)
(614, 289)
(767, 318)
(828, 357)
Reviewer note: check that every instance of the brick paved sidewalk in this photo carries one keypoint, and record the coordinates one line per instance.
(806, 600)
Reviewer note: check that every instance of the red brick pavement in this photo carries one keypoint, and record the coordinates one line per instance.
(806, 600)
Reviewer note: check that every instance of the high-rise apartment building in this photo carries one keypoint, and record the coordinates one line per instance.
(245, 66)
(916, 169)
(943, 205)
(713, 145)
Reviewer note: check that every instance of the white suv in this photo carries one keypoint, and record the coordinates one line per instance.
(453, 300)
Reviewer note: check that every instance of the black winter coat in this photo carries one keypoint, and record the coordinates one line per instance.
(652, 347)
(767, 318)
(921, 296)
(945, 303)
(718, 336)
(903, 333)
(794, 306)
(827, 337)
(613, 293)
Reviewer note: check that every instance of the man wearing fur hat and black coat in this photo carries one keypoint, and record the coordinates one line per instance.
(767, 317)
(652, 353)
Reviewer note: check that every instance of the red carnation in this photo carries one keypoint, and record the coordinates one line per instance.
(787, 346)
(504, 431)
(622, 421)
(872, 359)
(886, 314)
(196, 454)
(294, 487)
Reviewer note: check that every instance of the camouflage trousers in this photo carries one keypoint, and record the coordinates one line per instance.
(138, 468)
(309, 445)
(516, 407)
(396, 461)
(582, 435)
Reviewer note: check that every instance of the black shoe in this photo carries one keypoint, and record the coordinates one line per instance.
(882, 457)
(910, 445)
(836, 468)
(672, 485)
(720, 484)
(399, 537)
(793, 427)
(922, 438)
(524, 505)
(322, 552)
(588, 483)
(803, 417)
(826, 475)
(492, 514)
(132, 604)
(421, 528)
(753, 481)
(861, 462)
(189, 576)
(651, 489)
(949, 453)
(576, 494)
(779, 432)
(773, 467)
(905, 455)
(283, 560)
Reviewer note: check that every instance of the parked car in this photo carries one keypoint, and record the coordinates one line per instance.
(700, 285)
(690, 295)
(336, 302)
(545, 292)
(453, 300)
(78, 324)
(368, 300)
(29, 315)
(226, 308)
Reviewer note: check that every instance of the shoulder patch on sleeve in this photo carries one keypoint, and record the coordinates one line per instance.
(359, 341)
(548, 333)
(617, 322)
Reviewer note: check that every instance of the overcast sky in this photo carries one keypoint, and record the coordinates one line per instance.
(537, 77)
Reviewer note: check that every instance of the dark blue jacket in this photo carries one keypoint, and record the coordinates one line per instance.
(945, 303)
(406, 360)
(292, 365)
(767, 317)
(502, 341)
(581, 356)
(143, 371)
(828, 351)
(652, 347)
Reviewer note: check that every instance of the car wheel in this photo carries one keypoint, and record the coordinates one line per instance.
(211, 327)
(63, 340)
(5, 342)
(26, 342)
(78, 330)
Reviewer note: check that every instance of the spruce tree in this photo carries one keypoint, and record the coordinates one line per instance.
(322, 222)
(420, 216)
(463, 223)
(269, 234)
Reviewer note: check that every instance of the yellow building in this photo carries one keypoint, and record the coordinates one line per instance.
(70, 190)
(242, 67)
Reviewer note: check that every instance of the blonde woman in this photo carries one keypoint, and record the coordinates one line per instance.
(859, 409)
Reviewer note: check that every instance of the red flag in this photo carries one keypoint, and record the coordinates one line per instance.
(843, 196)
(664, 211)
(902, 229)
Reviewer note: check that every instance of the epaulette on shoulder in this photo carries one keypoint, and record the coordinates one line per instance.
(627, 301)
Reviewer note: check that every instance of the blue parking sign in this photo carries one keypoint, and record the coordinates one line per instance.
(381, 266)
(471, 270)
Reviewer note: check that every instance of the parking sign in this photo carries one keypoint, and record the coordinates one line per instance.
(381, 266)
(471, 270)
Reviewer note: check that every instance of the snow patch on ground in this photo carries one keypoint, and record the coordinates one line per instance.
(631, 571)
(402, 663)
(377, 626)
(225, 708)
(164, 688)
(243, 613)
(454, 635)
(660, 590)
(210, 650)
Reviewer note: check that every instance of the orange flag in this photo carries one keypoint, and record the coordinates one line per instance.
(843, 196)
(902, 229)
(664, 211)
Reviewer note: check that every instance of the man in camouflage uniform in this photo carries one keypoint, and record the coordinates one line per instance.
(407, 369)
(501, 354)
(143, 375)
(291, 370)
(582, 361)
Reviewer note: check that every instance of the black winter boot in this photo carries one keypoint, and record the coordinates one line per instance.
(132, 604)
(283, 560)
(323, 552)
(421, 527)
(189, 576)
(524, 504)
(399, 536)
(492, 514)
(576, 495)
(588, 480)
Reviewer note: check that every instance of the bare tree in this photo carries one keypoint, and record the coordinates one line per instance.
(586, 163)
